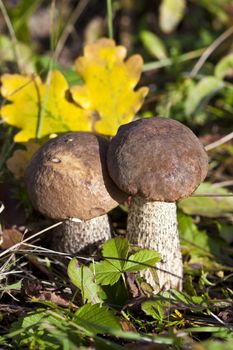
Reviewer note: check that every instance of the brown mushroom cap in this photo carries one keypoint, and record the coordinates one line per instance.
(68, 178)
(159, 159)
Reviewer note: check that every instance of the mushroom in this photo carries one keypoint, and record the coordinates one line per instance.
(157, 161)
(67, 178)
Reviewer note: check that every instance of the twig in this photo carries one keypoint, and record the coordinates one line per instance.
(10, 273)
(223, 183)
(210, 50)
(212, 195)
(219, 142)
(17, 245)
(170, 61)
(46, 251)
(15, 46)
(220, 321)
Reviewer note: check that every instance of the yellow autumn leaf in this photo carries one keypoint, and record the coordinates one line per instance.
(20, 158)
(109, 83)
(40, 109)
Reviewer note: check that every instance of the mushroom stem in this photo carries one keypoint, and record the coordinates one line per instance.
(153, 225)
(86, 236)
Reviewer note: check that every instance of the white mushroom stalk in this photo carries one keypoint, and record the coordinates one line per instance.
(159, 221)
(86, 237)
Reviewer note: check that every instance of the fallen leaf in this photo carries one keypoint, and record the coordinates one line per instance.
(11, 237)
(109, 83)
(226, 315)
(31, 287)
(127, 326)
(133, 285)
(55, 298)
(20, 158)
(40, 109)
(209, 206)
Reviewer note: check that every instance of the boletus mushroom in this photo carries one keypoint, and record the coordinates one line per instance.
(157, 161)
(68, 178)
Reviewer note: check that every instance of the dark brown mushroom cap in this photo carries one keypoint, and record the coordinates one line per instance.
(68, 178)
(159, 159)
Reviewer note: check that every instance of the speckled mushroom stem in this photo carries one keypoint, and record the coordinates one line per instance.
(153, 225)
(81, 237)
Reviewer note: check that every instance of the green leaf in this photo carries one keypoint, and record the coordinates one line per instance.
(171, 13)
(204, 89)
(207, 206)
(20, 14)
(26, 57)
(217, 345)
(154, 309)
(109, 271)
(32, 331)
(116, 248)
(83, 278)
(194, 241)
(225, 231)
(143, 256)
(203, 249)
(13, 286)
(153, 44)
(106, 273)
(97, 319)
(34, 318)
(224, 67)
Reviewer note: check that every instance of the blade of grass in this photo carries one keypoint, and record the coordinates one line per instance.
(110, 19)
(118, 333)
(14, 40)
(42, 108)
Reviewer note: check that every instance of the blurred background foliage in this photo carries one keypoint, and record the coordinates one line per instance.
(186, 46)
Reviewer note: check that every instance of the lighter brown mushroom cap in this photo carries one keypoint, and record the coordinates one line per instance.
(158, 159)
(68, 178)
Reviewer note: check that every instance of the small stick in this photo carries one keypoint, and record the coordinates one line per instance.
(213, 195)
(219, 142)
(210, 50)
(17, 245)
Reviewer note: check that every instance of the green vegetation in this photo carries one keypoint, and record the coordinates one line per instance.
(52, 300)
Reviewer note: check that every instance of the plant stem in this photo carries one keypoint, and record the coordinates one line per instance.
(210, 50)
(110, 24)
(15, 46)
(42, 107)
(170, 61)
